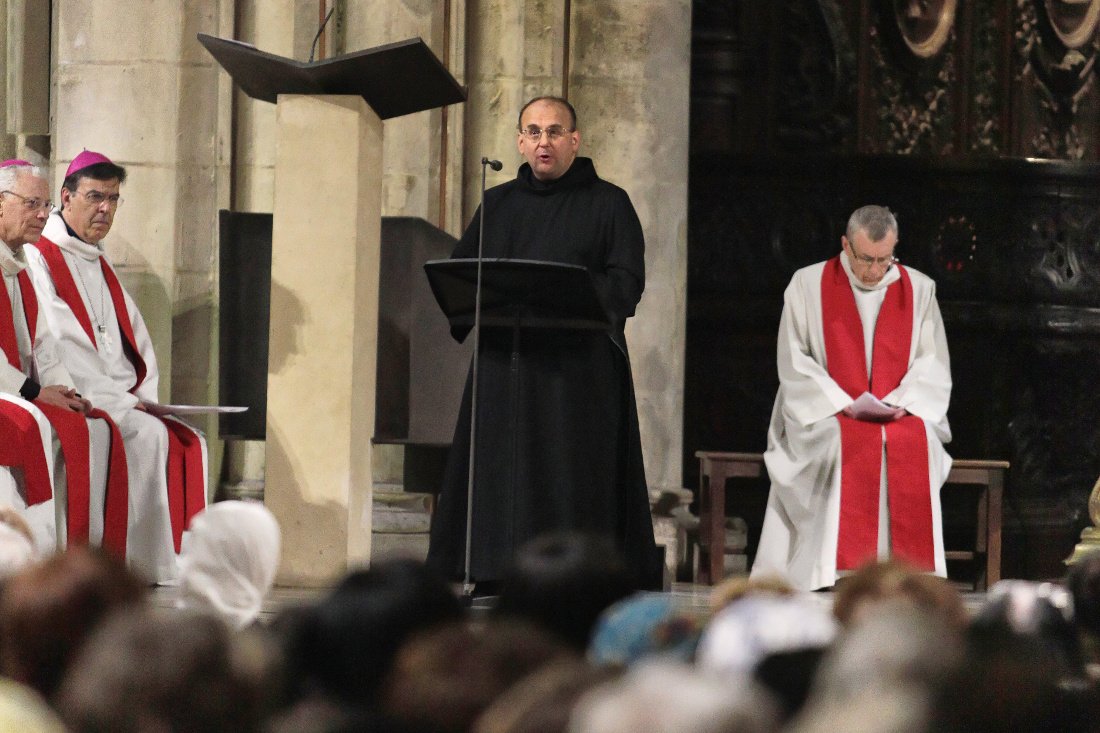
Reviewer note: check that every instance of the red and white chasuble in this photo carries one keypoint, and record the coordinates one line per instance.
(30, 430)
(107, 348)
(847, 491)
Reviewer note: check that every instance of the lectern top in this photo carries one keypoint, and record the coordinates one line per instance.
(396, 79)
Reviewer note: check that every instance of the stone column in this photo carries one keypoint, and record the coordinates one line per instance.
(629, 78)
(324, 328)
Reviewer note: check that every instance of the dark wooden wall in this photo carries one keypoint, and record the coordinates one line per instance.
(978, 123)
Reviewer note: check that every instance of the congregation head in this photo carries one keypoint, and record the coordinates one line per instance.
(90, 195)
(48, 611)
(24, 203)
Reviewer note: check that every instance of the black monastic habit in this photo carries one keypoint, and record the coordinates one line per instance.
(558, 441)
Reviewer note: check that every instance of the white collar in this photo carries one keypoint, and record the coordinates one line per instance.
(57, 232)
(888, 279)
(12, 263)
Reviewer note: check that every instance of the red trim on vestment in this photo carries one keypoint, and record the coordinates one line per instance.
(22, 440)
(21, 447)
(124, 324)
(65, 286)
(116, 505)
(909, 492)
(74, 444)
(7, 327)
(186, 477)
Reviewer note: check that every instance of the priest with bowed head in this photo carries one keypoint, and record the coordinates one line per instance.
(38, 402)
(558, 446)
(107, 348)
(855, 447)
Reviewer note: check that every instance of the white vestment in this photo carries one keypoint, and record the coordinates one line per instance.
(799, 537)
(41, 362)
(106, 376)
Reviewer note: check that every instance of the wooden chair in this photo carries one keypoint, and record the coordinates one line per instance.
(715, 467)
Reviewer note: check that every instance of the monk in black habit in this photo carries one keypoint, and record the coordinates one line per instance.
(563, 451)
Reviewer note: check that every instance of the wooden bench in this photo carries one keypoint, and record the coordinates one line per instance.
(715, 467)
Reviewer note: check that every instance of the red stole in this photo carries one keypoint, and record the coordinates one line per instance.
(907, 481)
(185, 475)
(23, 442)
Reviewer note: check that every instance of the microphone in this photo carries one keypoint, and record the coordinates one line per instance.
(313, 48)
(494, 164)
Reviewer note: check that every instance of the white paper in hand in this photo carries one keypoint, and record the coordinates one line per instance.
(869, 407)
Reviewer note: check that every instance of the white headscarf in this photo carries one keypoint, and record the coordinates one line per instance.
(749, 629)
(228, 563)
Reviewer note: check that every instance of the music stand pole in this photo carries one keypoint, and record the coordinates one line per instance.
(467, 583)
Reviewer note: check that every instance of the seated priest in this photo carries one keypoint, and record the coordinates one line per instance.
(855, 447)
(106, 347)
(54, 448)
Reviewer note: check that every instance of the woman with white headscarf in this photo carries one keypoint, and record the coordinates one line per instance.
(229, 559)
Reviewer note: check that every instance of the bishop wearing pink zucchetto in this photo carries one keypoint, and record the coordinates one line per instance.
(107, 348)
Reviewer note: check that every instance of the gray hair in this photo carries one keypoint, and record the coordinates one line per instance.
(874, 221)
(662, 697)
(9, 175)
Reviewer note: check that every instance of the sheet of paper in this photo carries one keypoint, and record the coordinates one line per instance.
(869, 407)
(180, 410)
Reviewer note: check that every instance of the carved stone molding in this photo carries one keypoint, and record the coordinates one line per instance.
(1058, 41)
(1072, 22)
(924, 25)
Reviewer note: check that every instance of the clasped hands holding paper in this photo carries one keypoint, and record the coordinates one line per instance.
(869, 408)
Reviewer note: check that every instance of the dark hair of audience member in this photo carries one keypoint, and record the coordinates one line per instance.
(1010, 682)
(443, 679)
(563, 581)
(343, 646)
(894, 580)
(48, 611)
(789, 676)
(146, 670)
(543, 701)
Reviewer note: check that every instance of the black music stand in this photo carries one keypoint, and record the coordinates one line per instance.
(395, 79)
(515, 294)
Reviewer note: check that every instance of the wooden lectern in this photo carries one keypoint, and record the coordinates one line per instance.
(324, 284)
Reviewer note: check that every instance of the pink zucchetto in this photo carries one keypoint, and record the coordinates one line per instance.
(14, 161)
(85, 159)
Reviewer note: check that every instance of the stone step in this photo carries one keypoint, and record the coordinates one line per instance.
(388, 545)
(401, 512)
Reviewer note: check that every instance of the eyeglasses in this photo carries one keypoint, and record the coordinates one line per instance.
(32, 204)
(553, 133)
(867, 261)
(96, 198)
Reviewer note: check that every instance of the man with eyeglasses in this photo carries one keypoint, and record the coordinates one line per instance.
(42, 418)
(855, 447)
(106, 346)
(562, 451)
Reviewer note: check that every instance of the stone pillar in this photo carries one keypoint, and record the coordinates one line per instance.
(629, 80)
(324, 327)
